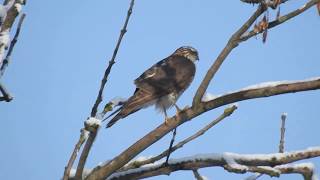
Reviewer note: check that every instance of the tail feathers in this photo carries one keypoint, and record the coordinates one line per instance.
(114, 120)
(113, 113)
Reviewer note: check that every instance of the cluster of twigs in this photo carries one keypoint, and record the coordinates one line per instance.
(121, 164)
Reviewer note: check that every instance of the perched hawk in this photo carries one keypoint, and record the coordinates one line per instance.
(162, 84)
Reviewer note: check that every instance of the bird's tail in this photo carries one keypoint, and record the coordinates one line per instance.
(139, 100)
(122, 114)
(114, 120)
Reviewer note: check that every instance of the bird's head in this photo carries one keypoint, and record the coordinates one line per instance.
(187, 52)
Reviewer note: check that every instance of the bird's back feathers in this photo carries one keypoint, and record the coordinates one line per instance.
(170, 75)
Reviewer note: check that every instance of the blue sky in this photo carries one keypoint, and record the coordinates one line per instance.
(64, 47)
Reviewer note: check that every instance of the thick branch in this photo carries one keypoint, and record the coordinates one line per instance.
(262, 163)
(232, 43)
(281, 19)
(263, 90)
(272, 89)
(227, 112)
(197, 175)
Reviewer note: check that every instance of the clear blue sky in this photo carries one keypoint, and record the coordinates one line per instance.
(62, 53)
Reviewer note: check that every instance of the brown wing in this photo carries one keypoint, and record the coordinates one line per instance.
(173, 74)
(140, 99)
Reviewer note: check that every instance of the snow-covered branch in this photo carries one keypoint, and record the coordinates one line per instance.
(271, 164)
(265, 89)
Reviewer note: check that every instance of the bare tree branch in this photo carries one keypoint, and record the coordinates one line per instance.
(281, 144)
(272, 89)
(232, 43)
(197, 175)
(170, 146)
(236, 38)
(85, 153)
(93, 133)
(281, 19)
(283, 129)
(111, 62)
(12, 44)
(82, 139)
(227, 112)
(261, 163)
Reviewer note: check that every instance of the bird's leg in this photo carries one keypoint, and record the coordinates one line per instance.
(165, 115)
(177, 108)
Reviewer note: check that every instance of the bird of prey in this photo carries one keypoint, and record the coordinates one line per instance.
(162, 84)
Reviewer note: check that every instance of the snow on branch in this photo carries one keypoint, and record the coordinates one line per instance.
(265, 89)
(271, 164)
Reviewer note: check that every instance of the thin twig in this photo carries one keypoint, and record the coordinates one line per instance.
(281, 19)
(227, 112)
(197, 175)
(232, 43)
(111, 62)
(281, 144)
(6, 95)
(283, 129)
(82, 138)
(12, 44)
(93, 134)
(170, 146)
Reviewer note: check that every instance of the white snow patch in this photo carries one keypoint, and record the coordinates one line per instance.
(142, 158)
(18, 7)
(4, 42)
(3, 12)
(137, 170)
(93, 121)
(233, 104)
(204, 178)
(84, 174)
(208, 97)
(300, 165)
(229, 158)
(85, 134)
(276, 83)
